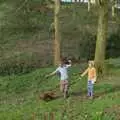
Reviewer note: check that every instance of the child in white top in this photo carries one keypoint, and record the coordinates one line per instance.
(62, 70)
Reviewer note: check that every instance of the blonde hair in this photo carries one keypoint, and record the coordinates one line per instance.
(91, 62)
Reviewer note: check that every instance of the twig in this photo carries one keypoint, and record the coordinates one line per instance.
(21, 6)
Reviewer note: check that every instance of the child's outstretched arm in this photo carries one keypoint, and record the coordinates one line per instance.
(84, 73)
(51, 74)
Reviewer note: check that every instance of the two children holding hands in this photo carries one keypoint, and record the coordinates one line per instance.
(62, 71)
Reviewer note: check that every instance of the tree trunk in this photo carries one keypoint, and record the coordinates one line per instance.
(114, 2)
(57, 33)
(74, 15)
(89, 5)
(101, 37)
(113, 11)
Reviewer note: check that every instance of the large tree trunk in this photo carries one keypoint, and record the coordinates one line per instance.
(101, 37)
(57, 33)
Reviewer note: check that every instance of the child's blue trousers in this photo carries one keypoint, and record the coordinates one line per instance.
(90, 88)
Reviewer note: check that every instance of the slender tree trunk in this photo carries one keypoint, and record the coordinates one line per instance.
(89, 5)
(114, 2)
(74, 11)
(113, 11)
(57, 33)
(101, 37)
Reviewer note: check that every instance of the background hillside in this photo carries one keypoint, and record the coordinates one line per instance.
(26, 34)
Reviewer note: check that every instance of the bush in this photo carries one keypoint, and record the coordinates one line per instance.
(113, 46)
(19, 64)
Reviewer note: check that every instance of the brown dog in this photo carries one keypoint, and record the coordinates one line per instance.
(47, 96)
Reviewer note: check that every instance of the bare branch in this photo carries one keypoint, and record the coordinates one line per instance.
(21, 6)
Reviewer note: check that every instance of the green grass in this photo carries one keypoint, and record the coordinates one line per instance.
(19, 97)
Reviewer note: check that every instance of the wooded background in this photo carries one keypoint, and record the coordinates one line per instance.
(27, 34)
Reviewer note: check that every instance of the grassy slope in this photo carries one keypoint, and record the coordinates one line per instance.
(19, 98)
